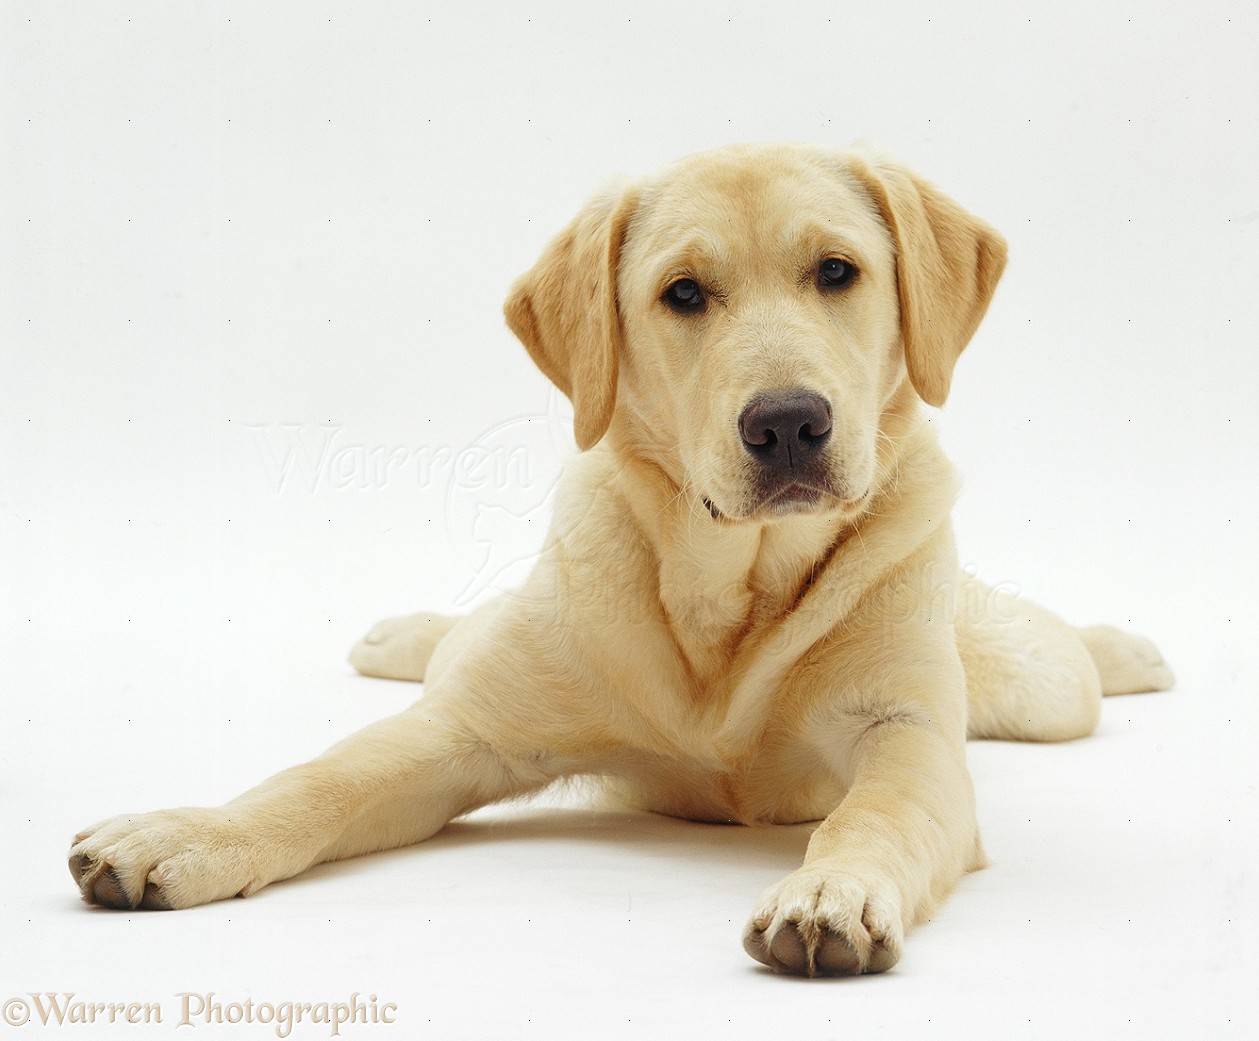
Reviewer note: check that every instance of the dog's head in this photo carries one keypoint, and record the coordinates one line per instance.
(746, 318)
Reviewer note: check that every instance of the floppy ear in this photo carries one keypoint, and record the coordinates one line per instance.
(948, 263)
(564, 311)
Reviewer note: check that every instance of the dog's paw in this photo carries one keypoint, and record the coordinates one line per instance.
(399, 648)
(165, 860)
(1127, 663)
(819, 922)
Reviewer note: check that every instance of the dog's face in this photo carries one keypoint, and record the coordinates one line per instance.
(757, 293)
(749, 314)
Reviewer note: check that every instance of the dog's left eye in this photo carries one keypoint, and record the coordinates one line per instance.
(685, 295)
(833, 272)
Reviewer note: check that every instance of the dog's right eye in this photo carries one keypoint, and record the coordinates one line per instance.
(684, 295)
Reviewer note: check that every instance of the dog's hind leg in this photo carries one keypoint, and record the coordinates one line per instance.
(1127, 663)
(1032, 677)
(400, 648)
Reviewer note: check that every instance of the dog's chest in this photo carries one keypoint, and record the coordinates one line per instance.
(785, 784)
(718, 605)
(727, 716)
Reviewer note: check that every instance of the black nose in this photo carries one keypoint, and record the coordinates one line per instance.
(786, 430)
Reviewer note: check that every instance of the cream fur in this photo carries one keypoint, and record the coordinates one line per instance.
(706, 651)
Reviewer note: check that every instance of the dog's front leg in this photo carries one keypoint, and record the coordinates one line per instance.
(391, 784)
(900, 839)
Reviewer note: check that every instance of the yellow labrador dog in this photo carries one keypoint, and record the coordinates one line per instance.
(749, 606)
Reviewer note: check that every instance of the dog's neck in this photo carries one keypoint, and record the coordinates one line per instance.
(721, 581)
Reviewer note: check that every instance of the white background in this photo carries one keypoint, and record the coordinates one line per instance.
(250, 249)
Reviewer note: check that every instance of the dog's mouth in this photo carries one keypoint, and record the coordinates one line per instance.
(792, 497)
